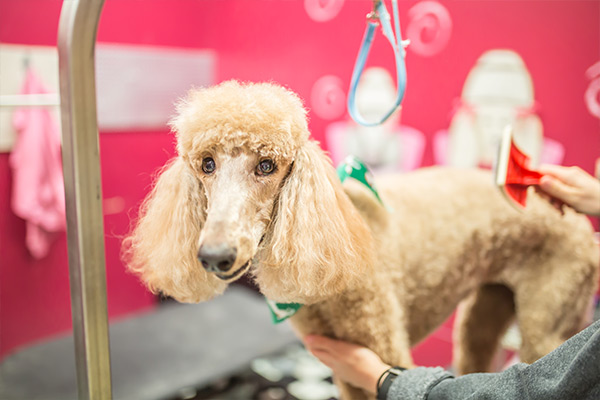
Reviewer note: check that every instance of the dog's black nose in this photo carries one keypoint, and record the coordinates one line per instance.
(217, 258)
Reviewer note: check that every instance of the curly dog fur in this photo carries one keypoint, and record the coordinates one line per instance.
(249, 188)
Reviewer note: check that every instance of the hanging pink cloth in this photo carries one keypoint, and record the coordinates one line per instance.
(38, 190)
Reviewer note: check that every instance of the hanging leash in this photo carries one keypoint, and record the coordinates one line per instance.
(378, 16)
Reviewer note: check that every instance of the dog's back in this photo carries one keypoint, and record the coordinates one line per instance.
(448, 234)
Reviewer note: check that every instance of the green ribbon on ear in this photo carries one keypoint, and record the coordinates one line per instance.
(352, 167)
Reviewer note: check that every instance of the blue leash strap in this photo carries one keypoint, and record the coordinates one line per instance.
(379, 15)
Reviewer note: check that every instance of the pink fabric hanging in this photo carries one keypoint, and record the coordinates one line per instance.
(38, 190)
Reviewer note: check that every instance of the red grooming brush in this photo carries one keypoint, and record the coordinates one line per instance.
(512, 174)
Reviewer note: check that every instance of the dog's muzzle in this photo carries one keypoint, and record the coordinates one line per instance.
(219, 260)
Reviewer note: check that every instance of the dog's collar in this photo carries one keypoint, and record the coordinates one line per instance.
(282, 311)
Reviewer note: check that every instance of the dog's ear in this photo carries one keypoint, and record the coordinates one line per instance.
(317, 243)
(162, 247)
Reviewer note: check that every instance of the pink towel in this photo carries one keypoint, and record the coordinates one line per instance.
(38, 190)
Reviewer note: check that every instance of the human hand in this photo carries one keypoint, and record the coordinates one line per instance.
(573, 186)
(351, 363)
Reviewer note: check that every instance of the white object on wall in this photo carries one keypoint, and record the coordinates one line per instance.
(498, 92)
(14, 60)
(592, 93)
(137, 86)
(429, 28)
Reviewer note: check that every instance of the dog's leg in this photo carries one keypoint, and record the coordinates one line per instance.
(379, 326)
(348, 392)
(548, 315)
(397, 354)
(480, 322)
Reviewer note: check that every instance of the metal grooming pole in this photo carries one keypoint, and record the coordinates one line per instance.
(85, 228)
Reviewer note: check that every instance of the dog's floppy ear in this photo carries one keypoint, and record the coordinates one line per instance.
(317, 243)
(163, 246)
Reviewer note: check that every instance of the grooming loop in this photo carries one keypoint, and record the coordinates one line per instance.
(379, 16)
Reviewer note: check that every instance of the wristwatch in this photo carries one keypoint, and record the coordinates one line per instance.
(385, 381)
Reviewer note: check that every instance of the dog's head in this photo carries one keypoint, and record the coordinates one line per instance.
(248, 192)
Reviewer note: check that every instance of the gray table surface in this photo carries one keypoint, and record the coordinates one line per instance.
(158, 353)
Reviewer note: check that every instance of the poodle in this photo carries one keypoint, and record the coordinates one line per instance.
(250, 193)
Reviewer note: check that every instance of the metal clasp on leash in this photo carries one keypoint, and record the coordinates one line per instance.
(373, 16)
(379, 16)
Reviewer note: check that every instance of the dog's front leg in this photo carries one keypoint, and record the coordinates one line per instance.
(349, 392)
(393, 349)
(378, 324)
(390, 342)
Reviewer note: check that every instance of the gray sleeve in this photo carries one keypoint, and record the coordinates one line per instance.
(416, 383)
(572, 371)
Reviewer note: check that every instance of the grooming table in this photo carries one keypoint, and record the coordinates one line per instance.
(157, 354)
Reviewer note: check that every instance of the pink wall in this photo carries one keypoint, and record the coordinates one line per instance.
(277, 40)
(34, 295)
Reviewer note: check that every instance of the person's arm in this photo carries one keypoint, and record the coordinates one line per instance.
(573, 186)
(362, 368)
(572, 371)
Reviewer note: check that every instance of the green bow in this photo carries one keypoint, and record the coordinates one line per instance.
(352, 167)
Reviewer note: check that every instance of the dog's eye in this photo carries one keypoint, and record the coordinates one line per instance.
(208, 165)
(265, 167)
